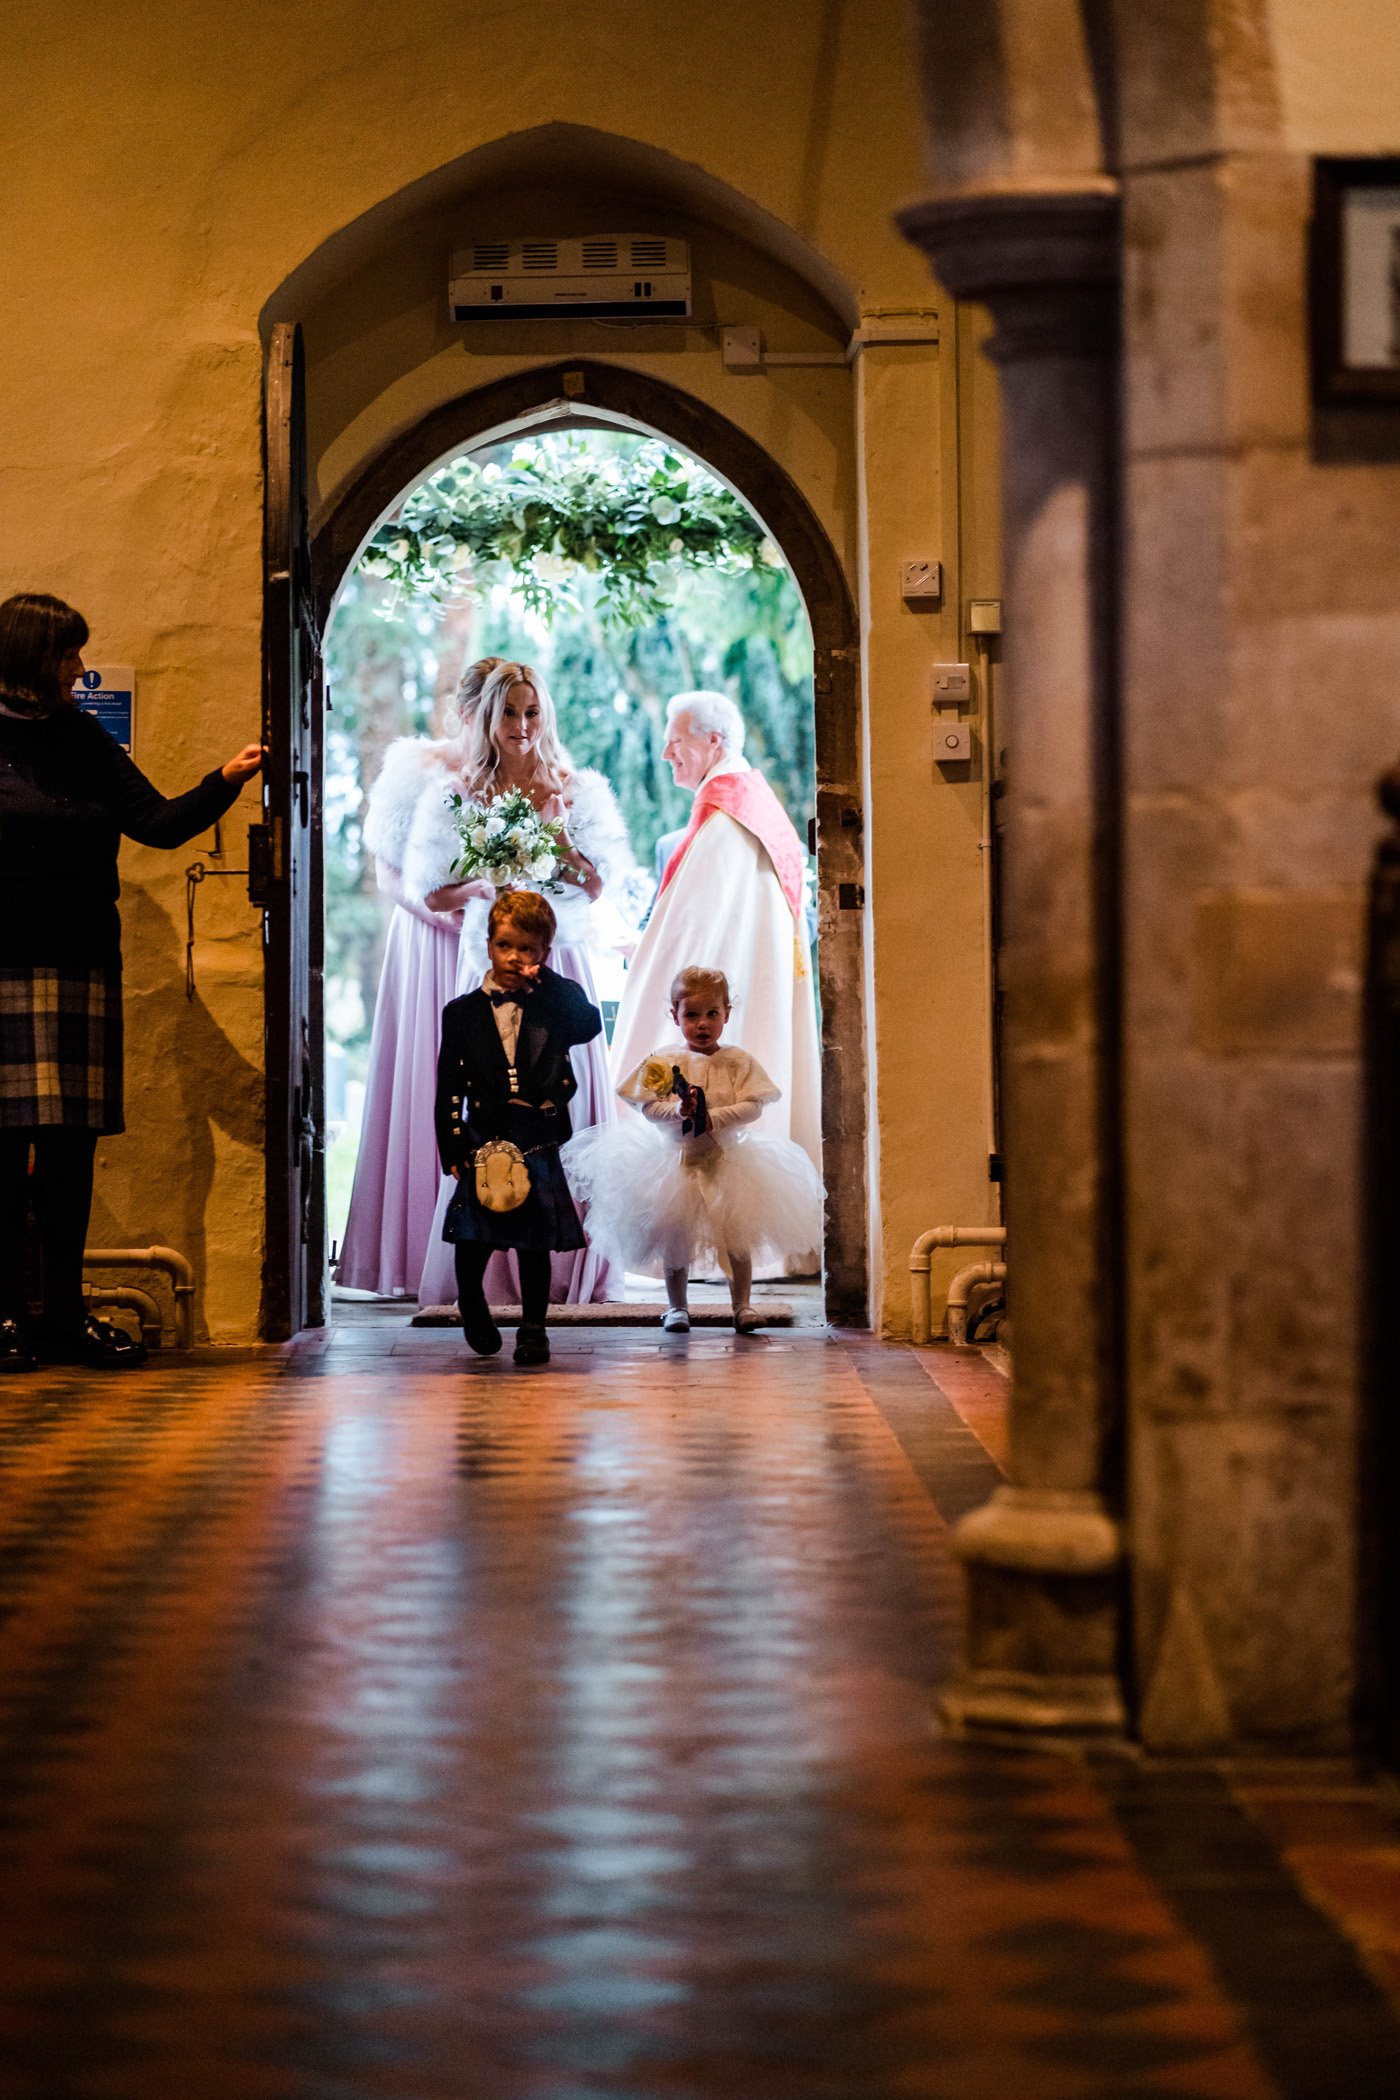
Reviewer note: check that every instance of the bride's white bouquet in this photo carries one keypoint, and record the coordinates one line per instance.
(506, 842)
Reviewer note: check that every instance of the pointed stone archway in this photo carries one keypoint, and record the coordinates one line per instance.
(549, 396)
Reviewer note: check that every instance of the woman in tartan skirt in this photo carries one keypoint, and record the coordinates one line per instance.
(68, 794)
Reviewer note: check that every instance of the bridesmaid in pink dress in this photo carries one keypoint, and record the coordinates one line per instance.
(513, 742)
(396, 1172)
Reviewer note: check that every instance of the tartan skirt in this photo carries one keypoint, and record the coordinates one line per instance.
(61, 1047)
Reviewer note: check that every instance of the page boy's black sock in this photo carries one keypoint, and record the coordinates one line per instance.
(534, 1285)
(480, 1329)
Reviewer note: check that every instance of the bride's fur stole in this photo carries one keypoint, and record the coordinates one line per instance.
(410, 824)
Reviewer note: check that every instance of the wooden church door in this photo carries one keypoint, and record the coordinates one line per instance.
(286, 868)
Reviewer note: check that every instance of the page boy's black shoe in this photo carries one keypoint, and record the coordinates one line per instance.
(480, 1330)
(15, 1352)
(96, 1344)
(531, 1345)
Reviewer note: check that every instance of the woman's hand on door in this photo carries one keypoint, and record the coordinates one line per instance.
(244, 764)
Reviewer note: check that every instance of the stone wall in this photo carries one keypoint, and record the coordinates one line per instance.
(180, 174)
(1262, 645)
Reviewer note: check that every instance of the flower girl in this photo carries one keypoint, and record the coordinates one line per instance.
(689, 1180)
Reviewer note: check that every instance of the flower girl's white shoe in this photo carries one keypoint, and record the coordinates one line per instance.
(674, 1321)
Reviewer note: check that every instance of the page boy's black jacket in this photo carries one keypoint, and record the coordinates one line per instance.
(474, 1100)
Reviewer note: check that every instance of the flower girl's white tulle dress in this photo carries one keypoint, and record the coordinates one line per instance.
(658, 1201)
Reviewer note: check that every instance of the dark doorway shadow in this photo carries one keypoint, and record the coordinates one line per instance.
(203, 1083)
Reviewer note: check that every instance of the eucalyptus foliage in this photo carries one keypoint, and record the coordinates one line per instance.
(612, 655)
(558, 510)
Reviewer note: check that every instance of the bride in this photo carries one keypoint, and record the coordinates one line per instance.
(512, 741)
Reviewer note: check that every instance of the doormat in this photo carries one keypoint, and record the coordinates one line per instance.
(777, 1312)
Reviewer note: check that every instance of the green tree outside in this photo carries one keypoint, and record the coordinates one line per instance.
(611, 659)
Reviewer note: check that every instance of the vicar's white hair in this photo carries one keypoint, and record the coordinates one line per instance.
(710, 714)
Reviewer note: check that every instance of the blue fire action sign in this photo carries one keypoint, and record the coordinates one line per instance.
(109, 692)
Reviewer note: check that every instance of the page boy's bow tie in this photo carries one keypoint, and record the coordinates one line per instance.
(509, 998)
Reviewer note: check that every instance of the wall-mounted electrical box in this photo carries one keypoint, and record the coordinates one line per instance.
(741, 349)
(614, 276)
(921, 580)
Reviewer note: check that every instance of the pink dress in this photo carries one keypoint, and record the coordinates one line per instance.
(597, 829)
(396, 1172)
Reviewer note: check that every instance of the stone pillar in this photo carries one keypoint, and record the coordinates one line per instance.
(1043, 1557)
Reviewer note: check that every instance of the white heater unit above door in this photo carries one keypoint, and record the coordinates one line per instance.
(603, 277)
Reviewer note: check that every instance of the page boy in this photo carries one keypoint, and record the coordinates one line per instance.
(504, 1072)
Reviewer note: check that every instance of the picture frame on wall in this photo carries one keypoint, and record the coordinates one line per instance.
(1355, 273)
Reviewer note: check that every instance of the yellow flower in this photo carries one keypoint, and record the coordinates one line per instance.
(656, 1077)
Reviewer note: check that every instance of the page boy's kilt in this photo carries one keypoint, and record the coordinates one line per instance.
(61, 1047)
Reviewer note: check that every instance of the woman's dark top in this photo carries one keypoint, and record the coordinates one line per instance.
(68, 793)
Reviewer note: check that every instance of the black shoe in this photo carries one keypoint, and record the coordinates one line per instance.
(531, 1345)
(96, 1343)
(15, 1352)
(481, 1332)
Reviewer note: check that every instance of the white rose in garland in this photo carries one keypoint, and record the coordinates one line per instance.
(550, 518)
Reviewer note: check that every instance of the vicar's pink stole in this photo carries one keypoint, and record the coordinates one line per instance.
(748, 798)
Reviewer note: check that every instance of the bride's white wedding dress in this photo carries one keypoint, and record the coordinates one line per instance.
(596, 827)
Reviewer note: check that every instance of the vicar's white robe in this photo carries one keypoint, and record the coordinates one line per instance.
(724, 907)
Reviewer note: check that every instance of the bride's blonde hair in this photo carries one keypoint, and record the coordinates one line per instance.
(481, 756)
(457, 714)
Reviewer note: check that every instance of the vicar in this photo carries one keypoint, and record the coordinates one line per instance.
(731, 899)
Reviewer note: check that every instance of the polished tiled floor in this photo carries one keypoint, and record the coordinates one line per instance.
(378, 1723)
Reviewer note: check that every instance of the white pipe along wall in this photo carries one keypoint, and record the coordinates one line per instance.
(920, 1320)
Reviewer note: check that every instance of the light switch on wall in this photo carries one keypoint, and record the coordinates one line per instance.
(952, 684)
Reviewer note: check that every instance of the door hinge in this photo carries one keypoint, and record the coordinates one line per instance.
(266, 859)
